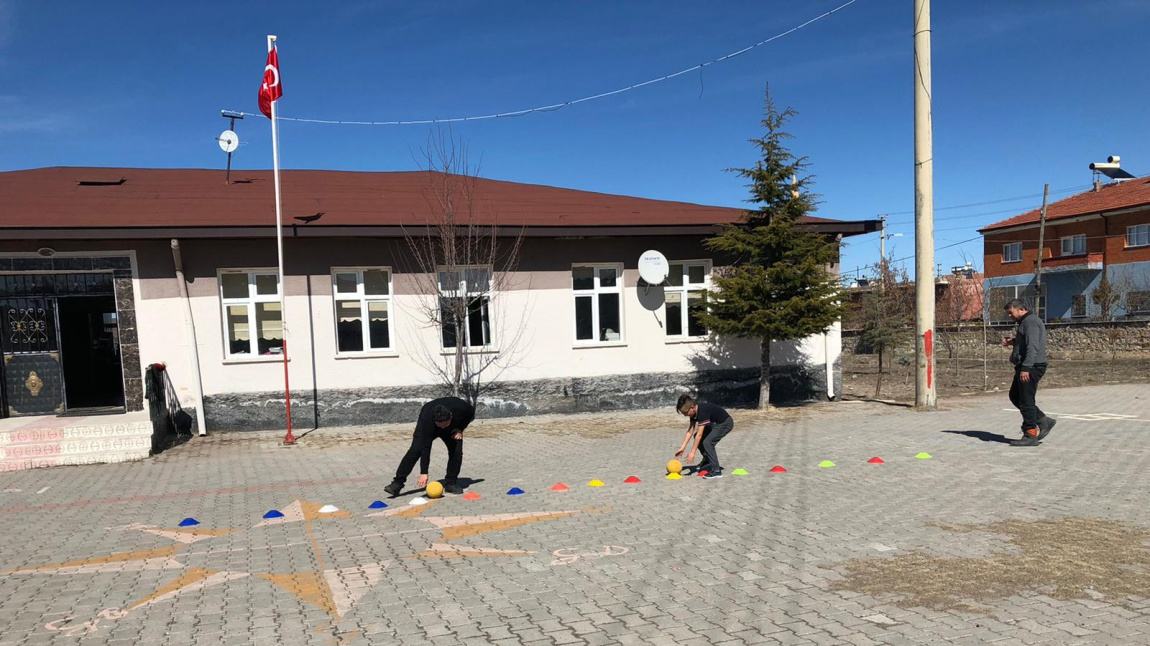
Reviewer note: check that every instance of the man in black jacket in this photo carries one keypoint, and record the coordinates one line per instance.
(1029, 358)
(443, 418)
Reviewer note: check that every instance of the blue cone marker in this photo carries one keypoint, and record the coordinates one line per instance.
(188, 522)
(378, 504)
(274, 513)
(515, 491)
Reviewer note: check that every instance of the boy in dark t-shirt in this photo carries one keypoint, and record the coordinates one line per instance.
(709, 424)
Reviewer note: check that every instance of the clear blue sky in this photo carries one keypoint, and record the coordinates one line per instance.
(1026, 92)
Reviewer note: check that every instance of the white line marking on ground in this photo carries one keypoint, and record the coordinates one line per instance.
(42, 490)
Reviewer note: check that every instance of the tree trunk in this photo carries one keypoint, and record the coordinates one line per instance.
(458, 359)
(878, 380)
(765, 375)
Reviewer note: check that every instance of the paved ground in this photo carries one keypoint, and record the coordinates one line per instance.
(981, 543)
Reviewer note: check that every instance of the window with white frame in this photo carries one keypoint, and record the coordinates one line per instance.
(685, 296)
(598, 291)
(253, 320)
(1074, 245)
(465, 296)
(1138, 235)
(1078, 306)
(1012, 252)
(362, 309)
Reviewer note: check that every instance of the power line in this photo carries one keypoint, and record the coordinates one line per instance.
(557, 106)
(1068, 189)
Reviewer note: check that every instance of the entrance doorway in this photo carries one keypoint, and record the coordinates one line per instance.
(90, 347)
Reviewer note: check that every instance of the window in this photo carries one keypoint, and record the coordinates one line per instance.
(1074, 245)
(1078, 306)
(1138, 235)
(1138, 303)
(598, 303)
(362, 309)
(465, 296)
(1012, 252)
(686, 295)
(1000, 296)
(251, 307)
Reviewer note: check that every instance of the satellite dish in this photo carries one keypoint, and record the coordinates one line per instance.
(229, 141)
(653, 267)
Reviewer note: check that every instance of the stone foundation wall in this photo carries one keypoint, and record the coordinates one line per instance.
(736, 387)
(1127, 339)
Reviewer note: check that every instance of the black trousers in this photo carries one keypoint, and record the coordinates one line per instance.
(711, 436)
(1022, 395)
(423, 441)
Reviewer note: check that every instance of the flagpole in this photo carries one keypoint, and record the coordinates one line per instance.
(288, 437)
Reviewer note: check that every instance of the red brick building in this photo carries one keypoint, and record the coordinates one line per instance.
(1095, 255)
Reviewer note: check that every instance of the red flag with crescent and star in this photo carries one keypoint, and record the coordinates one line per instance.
(271, 88)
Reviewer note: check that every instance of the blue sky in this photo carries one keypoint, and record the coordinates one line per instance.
(1026, 92)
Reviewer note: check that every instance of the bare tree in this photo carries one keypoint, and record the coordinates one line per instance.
(465, 267)
(961, 302)
(887, 313)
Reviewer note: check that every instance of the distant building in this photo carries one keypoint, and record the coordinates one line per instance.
(1101, 233)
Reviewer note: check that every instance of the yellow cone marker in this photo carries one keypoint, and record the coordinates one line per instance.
(674, 476)
(595, 483)
(826, 464)
(924, 456)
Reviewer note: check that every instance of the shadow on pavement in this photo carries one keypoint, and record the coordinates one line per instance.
(982, 435)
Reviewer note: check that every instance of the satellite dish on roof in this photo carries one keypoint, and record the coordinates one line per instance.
(653, 267)
(228, 141)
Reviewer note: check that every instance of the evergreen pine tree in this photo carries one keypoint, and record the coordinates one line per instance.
(778, 285)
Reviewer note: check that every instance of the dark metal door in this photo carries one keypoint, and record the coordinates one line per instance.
(30, 346)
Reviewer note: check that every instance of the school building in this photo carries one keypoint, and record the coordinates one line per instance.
(104, 271)
(1101, 233)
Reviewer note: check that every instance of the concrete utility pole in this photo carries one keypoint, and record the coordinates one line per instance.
(1041, 243)
(925, 396)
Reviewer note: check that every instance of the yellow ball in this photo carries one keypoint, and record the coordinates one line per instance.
(674, 466)
(434, 489)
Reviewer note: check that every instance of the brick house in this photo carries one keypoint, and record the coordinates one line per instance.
(1103, 233)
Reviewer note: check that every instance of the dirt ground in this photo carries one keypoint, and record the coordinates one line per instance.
(860, 374)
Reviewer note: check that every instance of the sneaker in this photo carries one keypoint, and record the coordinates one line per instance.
(453, 488)
(1044, 426)
(394, 489)
(711, 475)
(700, 467)
(1030, 437)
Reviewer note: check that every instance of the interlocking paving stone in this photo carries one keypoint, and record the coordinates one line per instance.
(766, 558)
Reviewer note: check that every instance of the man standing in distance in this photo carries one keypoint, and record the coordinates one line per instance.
(445, 419)
(1029, 358)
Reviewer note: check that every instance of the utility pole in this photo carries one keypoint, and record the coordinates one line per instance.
(882, 238)
(1041, 249)
(925, 395)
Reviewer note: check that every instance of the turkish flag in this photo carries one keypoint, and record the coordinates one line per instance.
(271, 88)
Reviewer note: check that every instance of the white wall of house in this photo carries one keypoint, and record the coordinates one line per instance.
(534, 326)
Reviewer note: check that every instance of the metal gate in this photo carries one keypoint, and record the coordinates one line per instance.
(30, 345)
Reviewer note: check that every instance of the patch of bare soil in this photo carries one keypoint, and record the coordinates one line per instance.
(1067, 559)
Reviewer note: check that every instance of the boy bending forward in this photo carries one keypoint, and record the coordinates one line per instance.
(709, 424)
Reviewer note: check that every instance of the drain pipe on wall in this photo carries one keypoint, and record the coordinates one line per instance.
(200, 425)
(830, 366)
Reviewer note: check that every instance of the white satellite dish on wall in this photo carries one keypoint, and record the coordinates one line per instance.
(229, 141)
(653, 267)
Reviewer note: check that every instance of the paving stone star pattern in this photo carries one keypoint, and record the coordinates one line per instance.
(975, 545)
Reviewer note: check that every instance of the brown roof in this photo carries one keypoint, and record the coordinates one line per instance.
(95, 198)
(1111, 197)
